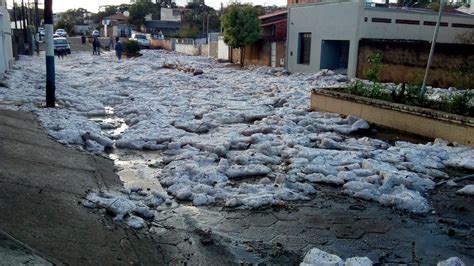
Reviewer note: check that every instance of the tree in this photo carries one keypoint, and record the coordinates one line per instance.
(241, 27)
(139, 10)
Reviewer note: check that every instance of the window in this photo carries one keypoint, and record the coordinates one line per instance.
(381, 20)
(461, 25)
(407, 21)
(433, 23)
(304, 52)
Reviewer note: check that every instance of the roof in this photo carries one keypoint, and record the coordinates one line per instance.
(421, 11)
(274, 22)
(277, 13)
(163, 24)
(118, 16)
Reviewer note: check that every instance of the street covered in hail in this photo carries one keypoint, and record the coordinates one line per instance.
(227, 137)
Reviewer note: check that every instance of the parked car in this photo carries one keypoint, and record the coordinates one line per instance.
(141, 39)
(95, 33)
(61, 46)
(61, 32)
(42, 33)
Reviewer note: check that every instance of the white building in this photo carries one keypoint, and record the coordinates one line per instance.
(6, 52)
(171, 14)
(326, 35)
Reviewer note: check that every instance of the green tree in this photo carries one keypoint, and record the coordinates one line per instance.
(139, 10)
(241, 27)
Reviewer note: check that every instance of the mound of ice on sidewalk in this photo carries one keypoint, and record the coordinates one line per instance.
(130, 206)
(467, 190)
(317, 257)
(72, 128)
(454, 261)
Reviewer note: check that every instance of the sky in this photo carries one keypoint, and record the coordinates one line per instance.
(93, 5)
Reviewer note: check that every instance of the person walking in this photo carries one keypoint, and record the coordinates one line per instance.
(94, 46)
(111, 43)
(83, 38)
(118, 48)
(97, 46)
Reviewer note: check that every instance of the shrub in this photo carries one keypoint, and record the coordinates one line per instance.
(375, 66)
(356, 87)
(131, 47)
(464, 76)
(458, 104)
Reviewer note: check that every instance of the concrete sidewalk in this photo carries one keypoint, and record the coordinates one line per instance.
(41, 186)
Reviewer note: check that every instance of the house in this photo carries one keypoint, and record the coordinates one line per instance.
(467, 8)
(337, 35)
(167, 28)
(118, 25)
(6, 52)
(270, 49)
(171, 14)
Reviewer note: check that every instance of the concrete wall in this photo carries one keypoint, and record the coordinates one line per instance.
(394, 30)
(406, 118)
(6, 52)
(204, 49)
(222, 49)
(325, 21)
(213, 49)
(161, 44)
(188, 49)
(406, 61)
(260, 53)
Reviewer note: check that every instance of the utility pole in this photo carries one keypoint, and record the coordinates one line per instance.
(14, 15)
(430, 57)
(36, 27)
(50, 72)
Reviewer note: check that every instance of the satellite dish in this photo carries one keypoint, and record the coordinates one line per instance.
(126, 13)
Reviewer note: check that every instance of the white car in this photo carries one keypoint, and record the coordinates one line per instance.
(141, 39)
(95, 33)
(61, 32)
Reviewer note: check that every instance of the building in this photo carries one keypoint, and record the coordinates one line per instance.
(294, 2)
(270, 49)
(467, 8)
(118, 25)
(166, 28)
(327, 35)
(6, 52)
(170, 14)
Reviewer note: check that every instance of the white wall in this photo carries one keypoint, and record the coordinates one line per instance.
(6, 52)
(222, 49)
(167, 14)
(188, 49)
(345, 21)
(373, 30)
(325, 21)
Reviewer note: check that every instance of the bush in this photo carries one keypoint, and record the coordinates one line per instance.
(131, 48)
(458, 104)
(375, 62)
(356, 88)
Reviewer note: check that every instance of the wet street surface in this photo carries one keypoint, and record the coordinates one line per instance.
(283, 234)
(331, 221)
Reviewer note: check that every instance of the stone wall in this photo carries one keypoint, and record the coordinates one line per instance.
(405, 61)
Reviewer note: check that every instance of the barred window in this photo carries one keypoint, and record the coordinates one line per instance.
(304, 53)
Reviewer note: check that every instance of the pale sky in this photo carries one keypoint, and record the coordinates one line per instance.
(93, 5)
